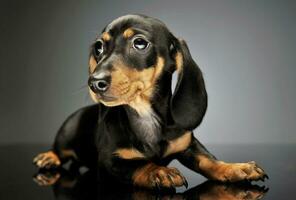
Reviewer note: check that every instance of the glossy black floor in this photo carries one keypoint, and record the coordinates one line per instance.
(17, 177)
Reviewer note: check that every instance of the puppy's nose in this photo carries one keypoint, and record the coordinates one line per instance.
(99, 82)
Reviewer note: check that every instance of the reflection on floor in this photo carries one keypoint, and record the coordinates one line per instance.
(278, 160)
(70, 185)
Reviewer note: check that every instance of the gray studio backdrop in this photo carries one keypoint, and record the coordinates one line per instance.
(246, 50)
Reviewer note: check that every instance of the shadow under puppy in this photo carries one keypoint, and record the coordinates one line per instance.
(138, 124)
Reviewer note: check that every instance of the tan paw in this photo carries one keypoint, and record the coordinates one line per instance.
(47, 160)
(153, 176)
(234, 172)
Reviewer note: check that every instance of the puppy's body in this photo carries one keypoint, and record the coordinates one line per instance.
(138, 125)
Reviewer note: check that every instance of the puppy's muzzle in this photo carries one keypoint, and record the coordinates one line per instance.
(99, 82)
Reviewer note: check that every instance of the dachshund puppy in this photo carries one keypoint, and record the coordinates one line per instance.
(138, 124)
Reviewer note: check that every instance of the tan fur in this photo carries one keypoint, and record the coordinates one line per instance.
(222, 171)
(150, 174)
(128, 33)
(133, 87)
(179, 144)
(92, 64)
(141, 105)
(106, 36)
(93, 95)
(212, 168)
(43, 158)
(68, 153)
(129, 153)
(179, 61)
(140, 176)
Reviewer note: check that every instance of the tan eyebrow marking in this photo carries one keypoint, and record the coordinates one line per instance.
(106, 36)
(128, 33)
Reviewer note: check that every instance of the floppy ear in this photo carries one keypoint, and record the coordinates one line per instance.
(189, 101)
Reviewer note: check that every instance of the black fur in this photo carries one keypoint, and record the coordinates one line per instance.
(190, 95)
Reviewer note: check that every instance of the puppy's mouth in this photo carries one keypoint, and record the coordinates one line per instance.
(124, 92)
(106, 98)
(119, 94)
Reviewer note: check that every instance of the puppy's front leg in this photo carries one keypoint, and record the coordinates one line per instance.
(199, 159)
(143, 172)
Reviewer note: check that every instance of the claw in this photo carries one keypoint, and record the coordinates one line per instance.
(262, 179)
(171, 178)
(185, 183)
(265, 176)
(260, 196)
(156, 182)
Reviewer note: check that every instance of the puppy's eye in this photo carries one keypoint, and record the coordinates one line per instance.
(98, 48)
(140, 43)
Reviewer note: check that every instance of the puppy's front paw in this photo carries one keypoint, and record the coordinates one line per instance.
(47, 160)
(234, 172)
(153, 176)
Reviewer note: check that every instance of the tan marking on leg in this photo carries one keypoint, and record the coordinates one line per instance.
(222, 171)
(92, 64)
(106, 36)
(151, 175)
(129, 153)
(68, 153)
(179, 144)
(128, 33)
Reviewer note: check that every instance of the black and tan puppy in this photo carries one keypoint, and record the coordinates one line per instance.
(138, 124)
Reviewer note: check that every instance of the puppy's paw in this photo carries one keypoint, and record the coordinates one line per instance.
(233, 172)
(153, 176)
(47, 160)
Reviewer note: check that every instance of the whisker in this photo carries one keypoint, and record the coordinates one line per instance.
(87, 100)
(82, 88)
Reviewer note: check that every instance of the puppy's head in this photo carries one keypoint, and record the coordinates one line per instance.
(127, 59)
(127, 62)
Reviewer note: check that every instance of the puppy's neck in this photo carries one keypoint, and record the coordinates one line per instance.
(141, 106)
(144, 122)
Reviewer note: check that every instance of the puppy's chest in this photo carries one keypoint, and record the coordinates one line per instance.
(149, 138)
